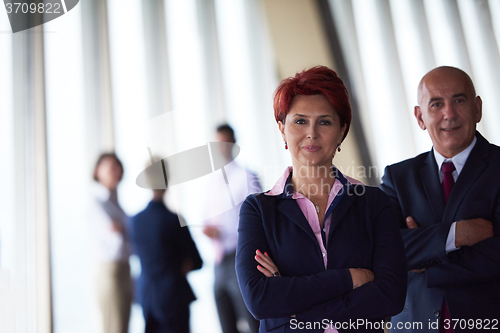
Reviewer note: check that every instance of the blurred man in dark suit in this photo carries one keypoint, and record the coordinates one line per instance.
(167, 253)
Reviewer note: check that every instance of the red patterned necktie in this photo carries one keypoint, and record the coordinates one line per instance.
(448, 182)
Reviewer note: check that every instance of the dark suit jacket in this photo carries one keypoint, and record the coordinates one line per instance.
(162, 246)
(363, 234)
(469, 278)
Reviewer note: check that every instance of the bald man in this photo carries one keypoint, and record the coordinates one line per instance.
(448, 201)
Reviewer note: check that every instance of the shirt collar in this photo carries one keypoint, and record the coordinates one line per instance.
(458, 160)
(100, 192)
(284, 184)
(280, 184)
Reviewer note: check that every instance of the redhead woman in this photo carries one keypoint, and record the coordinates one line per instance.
(319, 252)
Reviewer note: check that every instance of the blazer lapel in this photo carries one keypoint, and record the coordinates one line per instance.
(474, 166)
(291, 210)
(429, 177)
(340, 210)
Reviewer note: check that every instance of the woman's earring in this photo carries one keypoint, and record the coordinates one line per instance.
(338, 148)
(286, 145)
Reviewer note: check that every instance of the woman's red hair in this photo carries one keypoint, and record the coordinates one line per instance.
(319, 80)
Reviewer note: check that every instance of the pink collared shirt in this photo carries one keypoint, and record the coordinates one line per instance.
(309, 211)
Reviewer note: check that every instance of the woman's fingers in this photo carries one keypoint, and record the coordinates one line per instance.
(264, 259)
(264, 271)
(266, 264)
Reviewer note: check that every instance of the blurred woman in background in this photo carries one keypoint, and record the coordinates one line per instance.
(111, 249)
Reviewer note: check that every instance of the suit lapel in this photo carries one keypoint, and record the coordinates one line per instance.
(429, 177)
(291, 210)
(340, 210)
(474, 166)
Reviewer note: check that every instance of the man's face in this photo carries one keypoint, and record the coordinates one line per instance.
(226, 150)
(448, 109)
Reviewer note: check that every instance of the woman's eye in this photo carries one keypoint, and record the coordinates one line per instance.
(325, 122)
(300, 121)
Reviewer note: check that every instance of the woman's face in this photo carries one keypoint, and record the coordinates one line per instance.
(312, 131)
(109, 173)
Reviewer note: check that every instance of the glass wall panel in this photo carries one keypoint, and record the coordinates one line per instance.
(8, 248)
(72, 279)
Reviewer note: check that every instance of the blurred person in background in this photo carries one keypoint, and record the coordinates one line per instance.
(319, 250)
(167, 254)
(222, 229)
(107, 222)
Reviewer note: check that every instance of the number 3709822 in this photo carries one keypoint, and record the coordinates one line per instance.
(485, 324)
(41, 8)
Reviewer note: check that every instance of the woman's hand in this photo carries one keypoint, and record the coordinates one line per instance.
(266, 265)
(360, 276)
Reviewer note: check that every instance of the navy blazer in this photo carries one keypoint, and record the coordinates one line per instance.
(163, 246)
(469, 278)
(363, 234)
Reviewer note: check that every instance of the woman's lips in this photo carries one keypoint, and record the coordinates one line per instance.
(311, 148)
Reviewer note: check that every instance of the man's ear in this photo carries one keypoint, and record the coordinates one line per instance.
(418, 115)
(479, 109)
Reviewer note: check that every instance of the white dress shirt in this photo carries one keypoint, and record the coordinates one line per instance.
(109, 243)
(223, 204)
(459, 162)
